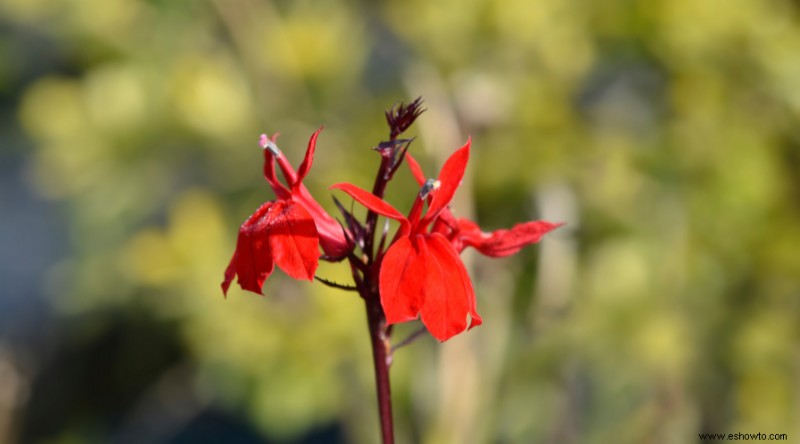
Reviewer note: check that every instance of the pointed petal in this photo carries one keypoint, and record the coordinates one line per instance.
(402, 283)
(230, 273)
(501, 243)
(450, 177)
(293, 239)
(308, 159)
(449, 297)
(416, 170)
(252, 260)
(374, 203)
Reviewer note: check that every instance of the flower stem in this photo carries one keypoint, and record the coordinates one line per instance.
(380, 360)
(365, 272)
(372, 217)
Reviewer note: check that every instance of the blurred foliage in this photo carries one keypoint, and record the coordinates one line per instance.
(664, 132)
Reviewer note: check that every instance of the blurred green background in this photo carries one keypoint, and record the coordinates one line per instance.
(665, 133)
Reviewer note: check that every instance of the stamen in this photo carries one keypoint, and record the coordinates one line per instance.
(266, 144)
(430, 185)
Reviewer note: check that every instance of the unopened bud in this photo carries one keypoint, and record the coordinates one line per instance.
(429, 186)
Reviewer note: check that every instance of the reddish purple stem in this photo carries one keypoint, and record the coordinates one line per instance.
(380, 358)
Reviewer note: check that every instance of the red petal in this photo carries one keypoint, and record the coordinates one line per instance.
(450, 177)
(331, 235)
(252, 260)
(416, 170)
(416, 209)
(375, 204)
(288, 170)
(230, 273)
(402, 283)
(449, 296)
(502, 243)
(476, 319)
(308, 159)
(445, 224)
(293, 239)
(269, 173)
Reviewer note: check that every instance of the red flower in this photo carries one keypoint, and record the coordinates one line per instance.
(288, 231)
(421, 273)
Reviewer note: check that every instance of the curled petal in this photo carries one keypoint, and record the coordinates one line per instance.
(503, 242)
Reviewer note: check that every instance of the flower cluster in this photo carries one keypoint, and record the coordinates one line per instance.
(419, 274)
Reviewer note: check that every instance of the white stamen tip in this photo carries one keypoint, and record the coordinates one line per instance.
(266, 144)
(429, 186)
